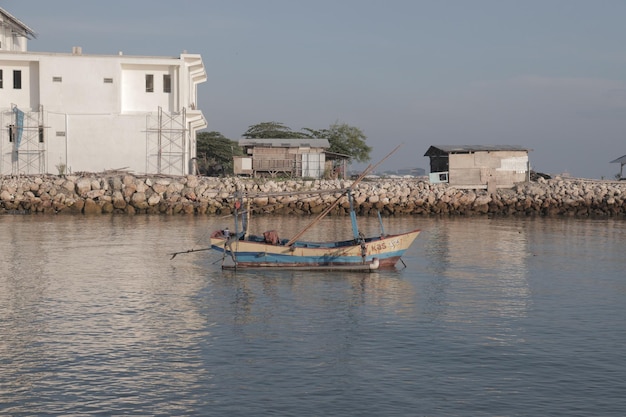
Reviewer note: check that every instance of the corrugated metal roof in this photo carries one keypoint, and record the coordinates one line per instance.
(28, 32)
(335, 155)
(448, 149)
(286, 143)
(620, 160)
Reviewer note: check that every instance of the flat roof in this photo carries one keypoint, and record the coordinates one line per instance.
(448, 149)
(285, 143)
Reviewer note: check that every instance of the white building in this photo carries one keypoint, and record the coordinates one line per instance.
(74, 112)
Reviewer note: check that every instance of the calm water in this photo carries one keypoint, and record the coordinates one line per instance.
(500, 317)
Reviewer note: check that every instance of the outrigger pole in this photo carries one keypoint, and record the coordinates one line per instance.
(187, 251)
(365, 172)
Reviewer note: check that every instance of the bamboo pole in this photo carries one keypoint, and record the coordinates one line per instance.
(187, 251)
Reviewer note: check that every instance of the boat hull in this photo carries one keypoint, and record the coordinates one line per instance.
(371, 254)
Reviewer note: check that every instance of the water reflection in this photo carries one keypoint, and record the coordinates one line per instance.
(487, 258)
(96, 319)
(256, 296)
(83, 308)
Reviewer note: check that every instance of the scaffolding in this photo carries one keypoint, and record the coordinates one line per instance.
(22, 142)
(166, 142)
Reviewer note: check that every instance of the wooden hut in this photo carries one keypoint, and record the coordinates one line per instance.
(282, 157)
(478, 166)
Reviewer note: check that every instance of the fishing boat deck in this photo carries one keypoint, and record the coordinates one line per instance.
(302, 243)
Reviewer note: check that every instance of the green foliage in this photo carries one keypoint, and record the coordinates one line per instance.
(272, 130)
(345, 139)
(215, 153)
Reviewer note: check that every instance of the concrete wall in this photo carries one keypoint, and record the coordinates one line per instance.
(133, 79)
(478, 169)
(97, 114)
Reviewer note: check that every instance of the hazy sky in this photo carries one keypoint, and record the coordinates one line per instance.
(549, 75)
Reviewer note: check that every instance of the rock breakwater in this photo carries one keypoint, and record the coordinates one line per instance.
(132, 194)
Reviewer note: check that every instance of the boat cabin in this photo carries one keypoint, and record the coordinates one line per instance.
(478, 166)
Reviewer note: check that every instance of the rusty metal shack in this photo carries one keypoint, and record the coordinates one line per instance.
(479, 166)
(282, 157)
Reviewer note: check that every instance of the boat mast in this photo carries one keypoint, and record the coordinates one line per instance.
(355, 226)
(382, 226)
(245, 218)
(237, 205)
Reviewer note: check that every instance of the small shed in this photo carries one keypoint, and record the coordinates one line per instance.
(287, 157)
(337, 164)
(478, 166)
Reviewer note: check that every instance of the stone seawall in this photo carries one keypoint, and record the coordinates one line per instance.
(131, 194)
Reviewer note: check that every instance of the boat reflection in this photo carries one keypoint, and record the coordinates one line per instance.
(260, 295)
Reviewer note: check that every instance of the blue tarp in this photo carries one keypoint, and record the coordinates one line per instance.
(19, 124)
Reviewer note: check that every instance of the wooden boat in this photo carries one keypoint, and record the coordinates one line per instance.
(358, 254)
(243, 250)
(266, 251)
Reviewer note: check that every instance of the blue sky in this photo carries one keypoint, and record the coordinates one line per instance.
(549, 75)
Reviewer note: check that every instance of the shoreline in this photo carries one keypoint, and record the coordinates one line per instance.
(123, 193)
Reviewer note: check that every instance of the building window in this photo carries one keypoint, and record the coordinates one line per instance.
(167, 83)
(57, 79)
(17, 79)
(149, 83)
(108, 80)
(0, 78)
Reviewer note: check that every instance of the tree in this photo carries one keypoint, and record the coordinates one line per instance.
(345, 139)
(215, 153)
(272, 130)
